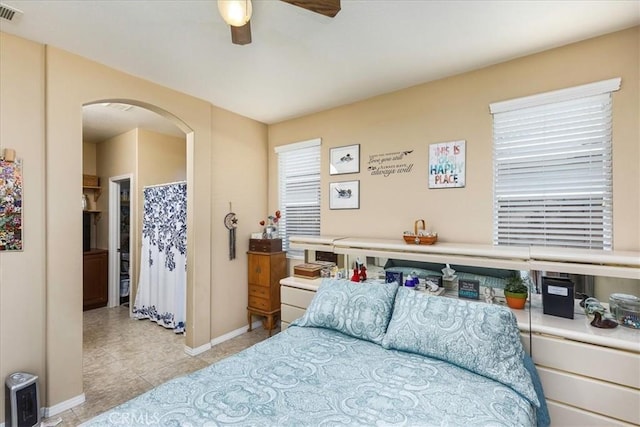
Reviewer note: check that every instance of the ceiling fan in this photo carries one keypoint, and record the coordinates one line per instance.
(237, 13)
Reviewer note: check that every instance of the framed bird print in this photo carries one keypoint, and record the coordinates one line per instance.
(344, 159)
(344, 195)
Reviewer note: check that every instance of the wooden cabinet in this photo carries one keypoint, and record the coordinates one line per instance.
(265, 270)
(95, 290)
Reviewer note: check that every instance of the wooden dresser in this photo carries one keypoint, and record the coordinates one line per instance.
(266, 269)
(95, 276)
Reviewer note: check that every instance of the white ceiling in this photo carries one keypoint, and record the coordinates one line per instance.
(301, 62)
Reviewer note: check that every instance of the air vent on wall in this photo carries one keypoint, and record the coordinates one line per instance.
(9, 13)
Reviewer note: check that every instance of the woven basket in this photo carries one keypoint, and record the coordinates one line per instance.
(415, 239)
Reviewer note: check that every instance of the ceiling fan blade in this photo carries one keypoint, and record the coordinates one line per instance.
(328, 8)
(241, 35)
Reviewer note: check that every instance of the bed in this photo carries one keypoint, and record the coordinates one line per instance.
(363, 354)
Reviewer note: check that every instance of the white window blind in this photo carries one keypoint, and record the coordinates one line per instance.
(299, 191)
(553, 171)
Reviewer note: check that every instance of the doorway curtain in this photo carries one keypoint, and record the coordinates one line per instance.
(162, 287)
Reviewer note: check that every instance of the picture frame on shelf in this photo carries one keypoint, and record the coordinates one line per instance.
(344, 159)
(344, 195)
(469, 289)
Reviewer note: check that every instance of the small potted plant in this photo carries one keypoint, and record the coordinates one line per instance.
(515, 292)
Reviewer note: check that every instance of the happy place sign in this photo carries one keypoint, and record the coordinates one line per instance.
(447, 164)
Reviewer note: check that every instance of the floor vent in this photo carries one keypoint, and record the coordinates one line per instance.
(9, 13)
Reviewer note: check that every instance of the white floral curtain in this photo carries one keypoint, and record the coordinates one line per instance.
(162, 286)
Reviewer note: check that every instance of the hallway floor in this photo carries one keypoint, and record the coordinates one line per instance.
(125, 357)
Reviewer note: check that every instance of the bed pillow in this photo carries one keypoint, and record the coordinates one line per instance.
(482, 338)
(361, 310)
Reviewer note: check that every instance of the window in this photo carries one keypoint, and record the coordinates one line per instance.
(552, 168)
(299, 191)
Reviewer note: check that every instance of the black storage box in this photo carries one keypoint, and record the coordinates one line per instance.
(558, 297)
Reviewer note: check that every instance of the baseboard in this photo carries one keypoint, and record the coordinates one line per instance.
(222, 338)
(196, 351)
(63, 406)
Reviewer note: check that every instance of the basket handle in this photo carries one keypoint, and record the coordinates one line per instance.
(415, 226)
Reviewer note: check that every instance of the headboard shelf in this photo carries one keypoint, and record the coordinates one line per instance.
(620, 264)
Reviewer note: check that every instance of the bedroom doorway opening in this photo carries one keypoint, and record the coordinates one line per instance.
(129, 146)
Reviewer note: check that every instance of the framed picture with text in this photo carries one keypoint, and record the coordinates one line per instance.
(344, 159)
(344, 195)
(447, 164)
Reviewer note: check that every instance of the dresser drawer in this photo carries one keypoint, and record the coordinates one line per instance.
(296, 297)
(616, 366)
(289, 313)
(259, 303)
(563, 416)
(600, 397)
(259, 291)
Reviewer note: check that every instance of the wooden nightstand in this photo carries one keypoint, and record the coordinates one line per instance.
(265, 271)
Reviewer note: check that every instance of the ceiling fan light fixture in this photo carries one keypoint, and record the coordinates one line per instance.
(235, 12)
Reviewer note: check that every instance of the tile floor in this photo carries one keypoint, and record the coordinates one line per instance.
(125, 357)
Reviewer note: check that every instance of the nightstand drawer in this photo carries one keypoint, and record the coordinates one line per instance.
(289, 313)
(259, 303)
(296, 297)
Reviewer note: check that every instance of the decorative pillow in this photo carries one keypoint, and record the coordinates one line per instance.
(482, 338)
(361, 310)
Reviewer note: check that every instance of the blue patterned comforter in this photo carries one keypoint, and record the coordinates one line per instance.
(320, 377)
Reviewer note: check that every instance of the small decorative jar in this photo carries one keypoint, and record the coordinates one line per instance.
(626, 309)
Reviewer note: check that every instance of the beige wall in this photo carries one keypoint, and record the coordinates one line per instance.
(458, 108)
(41, 81)
(89, 158)
(243, 166)
(115, 157)
(22, 274)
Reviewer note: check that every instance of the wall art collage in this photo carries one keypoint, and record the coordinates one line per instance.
(344, 194)
(11, 205)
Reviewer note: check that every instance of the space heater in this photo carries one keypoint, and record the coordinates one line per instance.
(21, 400)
